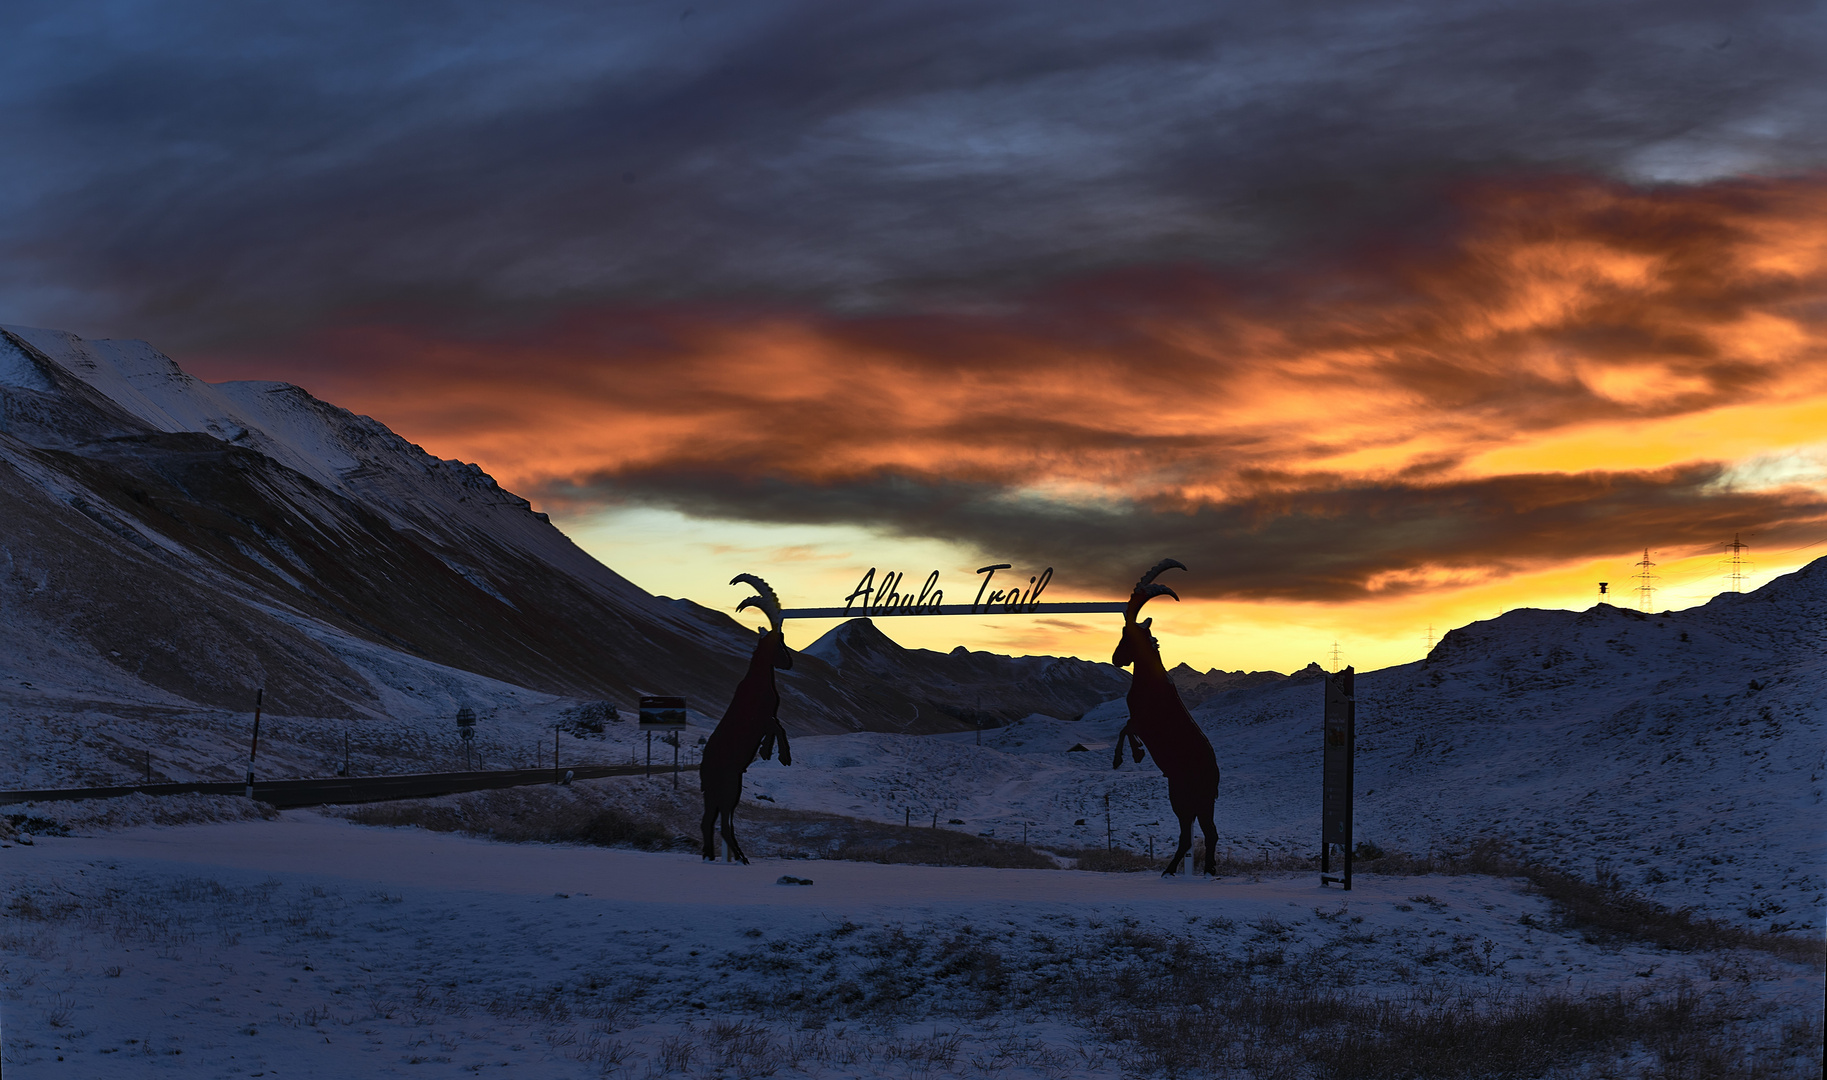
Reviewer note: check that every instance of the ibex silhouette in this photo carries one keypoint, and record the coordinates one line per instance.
(1159, 721)
(749, 726)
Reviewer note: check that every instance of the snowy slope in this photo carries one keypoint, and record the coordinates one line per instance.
(170, 546)
(355, 456)
(1685, 748)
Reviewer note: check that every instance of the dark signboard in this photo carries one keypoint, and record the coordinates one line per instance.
(662, 714)
(1336, 772)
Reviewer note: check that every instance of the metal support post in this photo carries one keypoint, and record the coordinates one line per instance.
(254, 746)
(1337, 773)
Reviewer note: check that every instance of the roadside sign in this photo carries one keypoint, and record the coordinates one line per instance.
(662, 714)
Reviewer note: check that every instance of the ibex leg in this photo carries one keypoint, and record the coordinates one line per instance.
(709, 827)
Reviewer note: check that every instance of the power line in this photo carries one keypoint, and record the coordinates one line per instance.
(1677, 585)
(1702, 573)
(1804, 547)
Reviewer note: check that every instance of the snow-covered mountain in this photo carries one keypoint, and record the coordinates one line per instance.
(206, 539)
(168, 545)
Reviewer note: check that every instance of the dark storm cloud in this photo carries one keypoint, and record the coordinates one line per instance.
(221, 172)
(910, 264)
(1331, 429)
(1326, 544)
(1552, 307)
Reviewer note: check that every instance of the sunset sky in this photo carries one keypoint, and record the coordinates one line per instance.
(1379, 317)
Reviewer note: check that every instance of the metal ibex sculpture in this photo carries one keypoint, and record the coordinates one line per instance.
(1158, 720)
(749, 726)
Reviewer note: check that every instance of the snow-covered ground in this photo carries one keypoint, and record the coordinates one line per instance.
(311, 947)
(1684, 751)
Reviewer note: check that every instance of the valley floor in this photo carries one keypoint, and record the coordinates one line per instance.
(312, 947)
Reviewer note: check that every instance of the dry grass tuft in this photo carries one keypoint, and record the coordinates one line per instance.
(552, 814)
(1230, 863)
(1295, 1030)
(1173, 1004)
(803, 834)
(1605, 908)
(128, 811)
(667, 820)
(1110, 860)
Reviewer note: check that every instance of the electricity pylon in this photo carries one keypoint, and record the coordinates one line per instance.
(1736, 563)
(1646, 590)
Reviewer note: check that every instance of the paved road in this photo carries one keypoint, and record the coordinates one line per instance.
(344, 789)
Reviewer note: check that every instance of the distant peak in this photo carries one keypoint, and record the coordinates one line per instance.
(856, 637)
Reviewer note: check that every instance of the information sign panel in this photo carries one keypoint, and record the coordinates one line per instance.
(1336, 771)
(662, 714)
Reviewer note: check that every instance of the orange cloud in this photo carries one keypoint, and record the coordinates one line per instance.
(1556, 327)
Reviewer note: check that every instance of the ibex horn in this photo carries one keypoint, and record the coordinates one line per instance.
(767, 602)
(1146, 589)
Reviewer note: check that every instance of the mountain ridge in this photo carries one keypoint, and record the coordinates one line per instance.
(954, 682)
